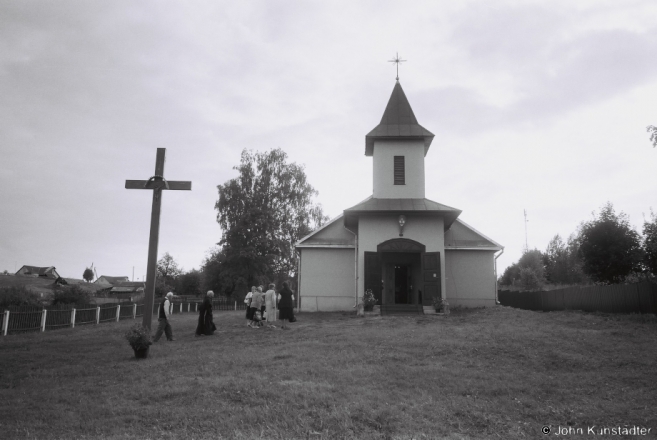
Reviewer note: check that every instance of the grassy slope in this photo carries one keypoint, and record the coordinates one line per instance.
(493, 373)
(40, 285)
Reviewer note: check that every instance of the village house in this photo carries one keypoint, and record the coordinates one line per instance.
(403, 247)
(110, 281)
(34, 271)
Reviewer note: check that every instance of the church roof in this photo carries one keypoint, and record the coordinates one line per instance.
(398, 122)
(404, 206)
(463, 236)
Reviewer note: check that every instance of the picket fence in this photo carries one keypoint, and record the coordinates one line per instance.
(20, 319)
(619, 298)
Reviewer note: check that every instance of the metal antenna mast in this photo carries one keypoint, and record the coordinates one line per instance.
(526, 245)
(397, 60)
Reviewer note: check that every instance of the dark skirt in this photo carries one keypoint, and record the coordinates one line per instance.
(249, 313)
(285, 313)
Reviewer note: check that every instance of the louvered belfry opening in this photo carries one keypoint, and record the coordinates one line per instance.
(400, 175)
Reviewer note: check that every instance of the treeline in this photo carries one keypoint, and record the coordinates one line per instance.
(262, 212)
(604, 250)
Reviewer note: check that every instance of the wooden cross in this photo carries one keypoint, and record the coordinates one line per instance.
(157, 183)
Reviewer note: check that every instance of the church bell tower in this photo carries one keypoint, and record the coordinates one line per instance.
(398, 146)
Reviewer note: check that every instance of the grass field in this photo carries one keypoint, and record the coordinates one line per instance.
(477, 374)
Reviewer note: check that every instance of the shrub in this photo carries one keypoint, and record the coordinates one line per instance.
(138, 337)
(369, 300)
(18, 296)
(71, 295)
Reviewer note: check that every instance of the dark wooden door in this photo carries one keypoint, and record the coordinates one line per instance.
(373, 274)
(430, 277)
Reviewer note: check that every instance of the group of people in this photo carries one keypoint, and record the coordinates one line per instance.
(260, 307)
(263, 306)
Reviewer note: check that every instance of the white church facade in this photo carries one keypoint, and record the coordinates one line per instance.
(404, 247)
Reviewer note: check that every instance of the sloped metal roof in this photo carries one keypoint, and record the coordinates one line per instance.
(398, 122)
(463, 236)
(403, 206)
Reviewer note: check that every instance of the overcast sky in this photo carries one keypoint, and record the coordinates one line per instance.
(536, 105)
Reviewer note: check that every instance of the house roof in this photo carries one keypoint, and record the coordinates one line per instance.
(112, 280)
(398, 122)
(130, 284)
(38, 270)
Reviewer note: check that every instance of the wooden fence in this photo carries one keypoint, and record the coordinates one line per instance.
(619, 298)
(20, 319)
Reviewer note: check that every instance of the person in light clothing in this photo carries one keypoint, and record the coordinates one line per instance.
(163, 319)
(270, 305)
(257, 301)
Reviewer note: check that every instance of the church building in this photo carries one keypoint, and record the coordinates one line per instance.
(403, 247)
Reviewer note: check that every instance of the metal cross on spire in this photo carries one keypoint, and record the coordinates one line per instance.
(397, 60)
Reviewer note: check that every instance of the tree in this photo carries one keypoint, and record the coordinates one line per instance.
(650, 243)
(562, 262)
(88, 275)
(167, 268)
(653, 134)
(168, 272)
(610, 249)
(528, 272)
(190, 283)
(263, 212)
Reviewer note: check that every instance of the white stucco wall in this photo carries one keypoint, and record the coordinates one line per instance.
(375, 229)
(383, 172)
(470, 278)
(327, 279)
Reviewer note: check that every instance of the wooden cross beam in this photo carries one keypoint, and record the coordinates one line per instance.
(157, 183)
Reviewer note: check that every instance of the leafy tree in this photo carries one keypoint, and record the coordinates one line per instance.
(528, 272)
(263, 212)
(168, 269)
(88, 275)
(610, 249)
(650, 243)
(190, 283)
(562, 262)
(653, 134)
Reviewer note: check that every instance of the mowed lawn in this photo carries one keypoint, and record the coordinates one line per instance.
(479, 374)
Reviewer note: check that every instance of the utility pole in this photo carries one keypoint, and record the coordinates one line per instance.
(526, 245)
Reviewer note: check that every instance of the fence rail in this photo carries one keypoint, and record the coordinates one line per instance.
(24, 319)
(620, 298)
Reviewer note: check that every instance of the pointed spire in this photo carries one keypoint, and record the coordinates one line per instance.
(398, 122)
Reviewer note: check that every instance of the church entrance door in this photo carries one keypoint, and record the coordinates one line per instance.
(403, 289)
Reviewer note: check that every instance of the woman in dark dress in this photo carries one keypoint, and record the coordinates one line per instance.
(205, 323)
(285, 305)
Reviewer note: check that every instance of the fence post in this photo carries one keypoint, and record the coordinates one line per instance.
(5, 323)
(134, 311)
(235, 305)
(196, 307)
(43, 320)
(118, 312)
(98, 315)
(188, 306)
(72, 318)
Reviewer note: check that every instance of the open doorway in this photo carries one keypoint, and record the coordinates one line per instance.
(402, 285)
